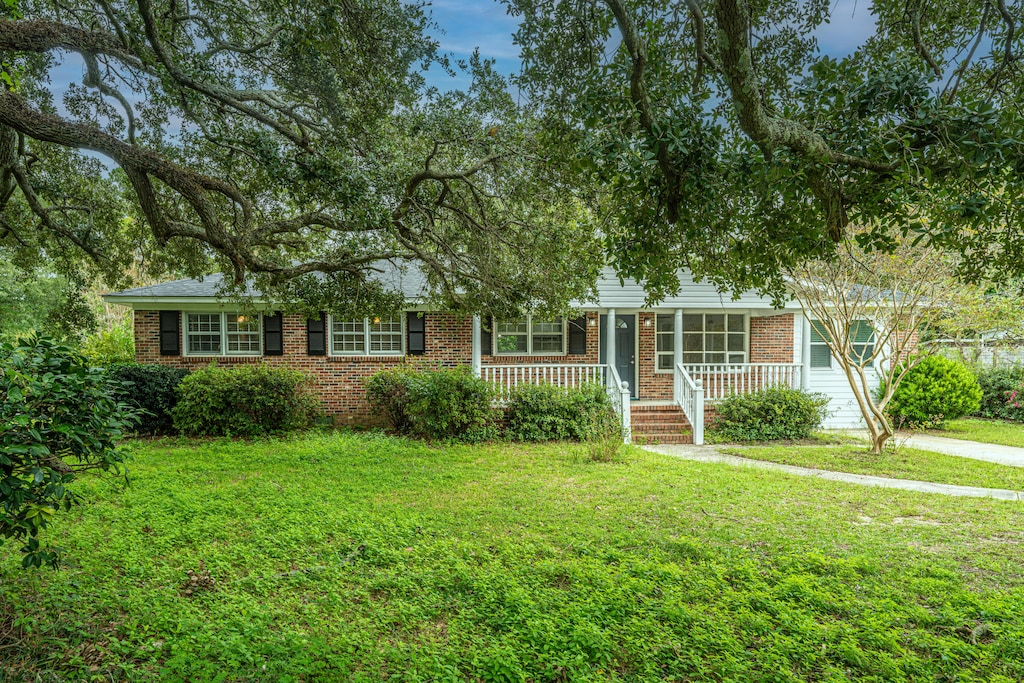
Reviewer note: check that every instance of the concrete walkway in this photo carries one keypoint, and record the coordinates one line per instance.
(989, 452)
(710, 454)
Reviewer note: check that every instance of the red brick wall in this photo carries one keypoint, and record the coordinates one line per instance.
(771, 339)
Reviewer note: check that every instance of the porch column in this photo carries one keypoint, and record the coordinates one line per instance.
(476, 346)
(805, 352)
(677, 349)
(609, 342)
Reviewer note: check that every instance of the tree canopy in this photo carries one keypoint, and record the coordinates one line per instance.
(283, 139)
(729, 142)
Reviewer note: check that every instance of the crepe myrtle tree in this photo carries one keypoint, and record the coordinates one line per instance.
(722, 138)
(869, 308)
(282, 139)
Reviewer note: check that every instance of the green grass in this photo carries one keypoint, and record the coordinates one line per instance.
(897, 462)
(339, 557)
(985, 431)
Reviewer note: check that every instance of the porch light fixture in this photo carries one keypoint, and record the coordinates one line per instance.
(591, 322)
(647, 322)
(242, 318)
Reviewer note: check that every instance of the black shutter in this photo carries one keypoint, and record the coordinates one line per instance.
(170, 333)
(416, 328)
(316, 335)
(486, 325)
(578, 336)
(273, 334)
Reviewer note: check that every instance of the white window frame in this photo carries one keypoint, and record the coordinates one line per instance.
(529, 338)
(704, 352)
(871, 342)
(658, 370)
(222, 318)
(367, 336)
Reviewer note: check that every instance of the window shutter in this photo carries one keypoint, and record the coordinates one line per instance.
(316, 336)
(170, 333)
(273, 334)
(416, 328)
(486, 325)
(578, 336)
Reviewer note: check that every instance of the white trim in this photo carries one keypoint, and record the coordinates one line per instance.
(223, 333)
(529, 339)
(704, 313)
(366, 352)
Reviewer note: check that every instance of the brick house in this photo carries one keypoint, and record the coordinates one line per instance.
(664, 366)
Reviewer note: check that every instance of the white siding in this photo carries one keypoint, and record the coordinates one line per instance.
(693, 295)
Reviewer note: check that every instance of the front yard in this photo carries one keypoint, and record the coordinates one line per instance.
(986, 431)
(363, 557)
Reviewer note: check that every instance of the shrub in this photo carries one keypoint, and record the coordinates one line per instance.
(449, 404)
(58, 417)
(545, 412)
(769, 415)
(245, 400)
(997, 393)
(110, 347)
(151, 389)
(935, 390)
(388, 392)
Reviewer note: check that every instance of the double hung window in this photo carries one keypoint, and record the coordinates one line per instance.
(862, 343)
(367, 337)
(530, 336)
(714, 338)
(223, 334)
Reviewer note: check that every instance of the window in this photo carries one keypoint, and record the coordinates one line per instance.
(530, 336)
(714, 338)
(664, 343)
(374, 337)
(219, 334)
(862, 347)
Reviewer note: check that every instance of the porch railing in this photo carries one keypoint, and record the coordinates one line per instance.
(689, 396)
(505, 378)
(722, 379)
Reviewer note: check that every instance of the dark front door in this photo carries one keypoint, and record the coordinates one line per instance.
(625, 350)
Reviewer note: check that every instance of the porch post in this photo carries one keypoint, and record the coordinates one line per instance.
(609, 342)
(476, 346)
(677, 349)
(805, 352)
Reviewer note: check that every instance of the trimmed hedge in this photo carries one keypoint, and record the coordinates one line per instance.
(770, 415)
(935, 390)
(245, 400)
(152, 389)
(545, 412)
(435, 404)
(998, 399)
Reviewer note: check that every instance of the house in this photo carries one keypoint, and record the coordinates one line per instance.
(665, 367)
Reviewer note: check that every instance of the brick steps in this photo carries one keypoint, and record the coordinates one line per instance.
(660, 424)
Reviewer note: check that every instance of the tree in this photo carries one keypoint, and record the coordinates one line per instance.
(869, 307)
(284, 139)
(981, 317)
(728, 143)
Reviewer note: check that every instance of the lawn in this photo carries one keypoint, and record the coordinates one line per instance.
(898, 462)
(987, 431)
(340, 557)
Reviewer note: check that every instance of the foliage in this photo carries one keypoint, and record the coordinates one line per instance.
(980, 317)
(546, 412)
(448, 563)
(449, 403)
(282, 140)
(387, 391)
(997, 387)
(769, 415)
(244, 400)
(58, 417)
(722, 136)
(152, 390)
(895, 294)
(112, 346)
(934, 390)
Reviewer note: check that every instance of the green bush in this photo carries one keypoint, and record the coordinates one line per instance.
(449, 404)
(388, 392)
(997, 393)
(245, 400)
(545, 412)
(769, 415)
(933, 391)
(110, 347)
(58, 417)
(151, 389)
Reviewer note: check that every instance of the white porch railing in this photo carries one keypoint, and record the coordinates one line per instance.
(689, 396)
(505, 378)
(720, 380)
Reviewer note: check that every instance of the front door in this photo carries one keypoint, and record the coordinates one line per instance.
(625, 350)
